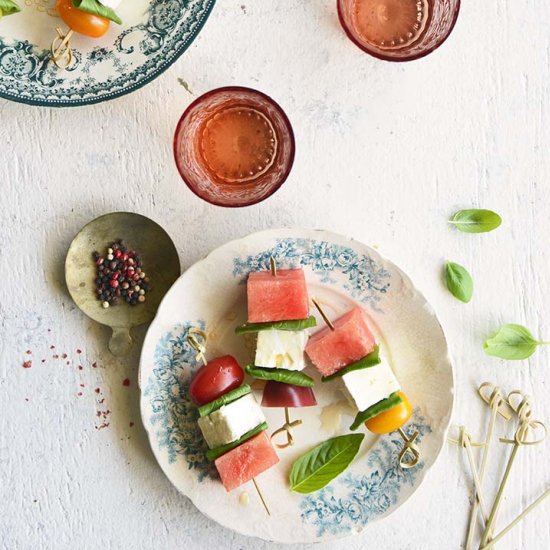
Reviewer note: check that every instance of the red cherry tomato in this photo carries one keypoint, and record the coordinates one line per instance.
(392, 419)
(279, 394)
(215, 379)
(80, 21)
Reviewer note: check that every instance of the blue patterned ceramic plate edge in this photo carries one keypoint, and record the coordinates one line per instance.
(355, 499)
(24, 69)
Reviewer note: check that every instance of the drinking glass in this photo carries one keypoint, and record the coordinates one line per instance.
(398, 30)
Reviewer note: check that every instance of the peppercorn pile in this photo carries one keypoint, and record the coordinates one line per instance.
(120, 276)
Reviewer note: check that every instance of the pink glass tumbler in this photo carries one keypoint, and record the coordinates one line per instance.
(398, 30)
(234, 146)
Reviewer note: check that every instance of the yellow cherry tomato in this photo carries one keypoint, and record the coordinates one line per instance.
(80, 21)
(392, 419)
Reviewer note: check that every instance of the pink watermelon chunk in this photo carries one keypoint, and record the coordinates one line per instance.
(280, 298)
(351, 339)
(246, 461)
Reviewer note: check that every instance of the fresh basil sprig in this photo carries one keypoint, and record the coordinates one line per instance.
(294, 377)
(96, 8)
(459, 282)
(225, 399)
(370, 360)
(476, 220)
(216, 452)
(297, 324)
(8, 7)
(318, 467)
(374, 410)
(513, 342)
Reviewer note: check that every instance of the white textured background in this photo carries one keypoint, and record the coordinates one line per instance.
(385, 153)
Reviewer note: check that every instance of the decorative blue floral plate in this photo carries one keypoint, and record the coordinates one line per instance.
(154, 34)
(341, 273)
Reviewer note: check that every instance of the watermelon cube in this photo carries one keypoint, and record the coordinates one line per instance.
(246, 461)
(280, 298)
(351, 340)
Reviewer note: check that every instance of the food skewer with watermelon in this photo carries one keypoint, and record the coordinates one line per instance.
(278, 311)
(231, 421)
(346, 349)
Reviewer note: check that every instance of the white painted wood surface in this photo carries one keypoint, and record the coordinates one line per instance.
(385, 153)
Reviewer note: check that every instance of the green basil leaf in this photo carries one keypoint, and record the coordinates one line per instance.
(8, 7)
(318, 467)
(216, 452)
(294, 377)
(370, 360)
(513, 342)
(229, 397)
(459, 282)
(96, 8)
(384, 405)
(298, 324)
(476, 220)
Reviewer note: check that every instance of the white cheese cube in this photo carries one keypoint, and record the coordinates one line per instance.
(231, 421)
(281, 349)
(365, 387)
(113, 4)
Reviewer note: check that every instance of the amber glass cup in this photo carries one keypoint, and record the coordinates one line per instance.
(398, 30)
(234, 146)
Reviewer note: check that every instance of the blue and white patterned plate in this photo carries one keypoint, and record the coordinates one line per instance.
(340, 273)
(154, 34)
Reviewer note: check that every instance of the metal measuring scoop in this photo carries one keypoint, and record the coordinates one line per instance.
(160, 262)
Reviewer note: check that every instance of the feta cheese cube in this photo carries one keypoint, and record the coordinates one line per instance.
(231, 421)
(368, 386)
(281, 349)
(113, 4)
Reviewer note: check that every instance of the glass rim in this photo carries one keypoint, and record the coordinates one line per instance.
(292, 144)
(383, 57)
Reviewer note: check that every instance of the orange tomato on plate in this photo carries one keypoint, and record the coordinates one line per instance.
(81, 21)
(392, 419)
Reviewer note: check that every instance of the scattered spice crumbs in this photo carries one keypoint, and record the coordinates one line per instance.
(79, 351)
(28, 352)
(64, 356)
(126, 382)
(131, 424)
(97, 390)
(27, 364)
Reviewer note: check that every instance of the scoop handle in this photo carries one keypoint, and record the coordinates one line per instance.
(121, 341)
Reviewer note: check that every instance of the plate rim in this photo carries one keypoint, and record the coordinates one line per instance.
(452, 394)
(130, 89)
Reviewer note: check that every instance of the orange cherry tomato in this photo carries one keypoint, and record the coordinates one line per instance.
(392, 419)
(80, 21)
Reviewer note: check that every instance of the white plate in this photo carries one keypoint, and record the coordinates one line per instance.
(153, 35)
(341, 273)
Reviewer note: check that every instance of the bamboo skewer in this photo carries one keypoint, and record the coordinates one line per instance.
(200, 347)
(410, 454)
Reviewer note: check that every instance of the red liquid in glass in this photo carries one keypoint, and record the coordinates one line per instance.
(391, 24)
(238, 144)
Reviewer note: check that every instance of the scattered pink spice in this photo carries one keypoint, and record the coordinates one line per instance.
(94, 365)
(131, 424)
(64, 356)
(52, 347)
(80, 367)
(79, 351)
(98, 390)
(55, 356)
(28, 352)
(126, 382)
(79, 393)
(27, 364)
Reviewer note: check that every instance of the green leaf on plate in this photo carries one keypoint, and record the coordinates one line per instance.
(370, 360)
(513, 342)
(476, 220)
(216, 452)
(297, 324)
(294, 377)
(8, 7)
(459, 282)
(374, 410)
(229, 397)
(318, 467)
(96, 8)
